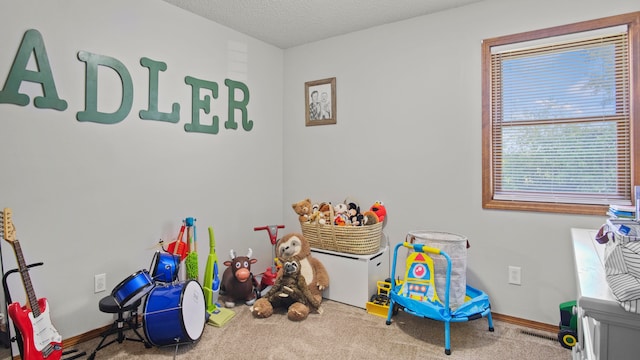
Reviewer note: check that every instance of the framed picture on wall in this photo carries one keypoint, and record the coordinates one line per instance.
(320, 102)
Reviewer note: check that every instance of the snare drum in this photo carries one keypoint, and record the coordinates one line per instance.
(174, 314)
(164, 267)
(133, 288)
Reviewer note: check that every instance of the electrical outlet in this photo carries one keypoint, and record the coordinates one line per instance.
(99, 283)
(515, 275)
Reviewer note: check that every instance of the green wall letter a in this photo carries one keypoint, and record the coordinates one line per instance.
(91, 112)
(32, 43)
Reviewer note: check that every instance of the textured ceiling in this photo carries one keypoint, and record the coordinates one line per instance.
(287, 23)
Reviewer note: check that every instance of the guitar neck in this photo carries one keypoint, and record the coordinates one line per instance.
(26, 279)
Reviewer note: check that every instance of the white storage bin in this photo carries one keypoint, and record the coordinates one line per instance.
(353, 278)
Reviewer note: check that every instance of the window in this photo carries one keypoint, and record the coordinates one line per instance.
(560, 117)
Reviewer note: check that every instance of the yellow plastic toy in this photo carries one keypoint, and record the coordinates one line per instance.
(379, 304)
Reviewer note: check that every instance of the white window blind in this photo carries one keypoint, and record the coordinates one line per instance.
(561, 121)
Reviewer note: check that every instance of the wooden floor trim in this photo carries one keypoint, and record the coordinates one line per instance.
(526, 323)
(67, 344)
(500, 317)
(90, 335)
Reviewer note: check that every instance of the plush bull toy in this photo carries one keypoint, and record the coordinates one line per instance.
(238, 283)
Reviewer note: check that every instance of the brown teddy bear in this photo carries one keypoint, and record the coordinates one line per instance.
(303, 209)
(296, 246)
(324, 213)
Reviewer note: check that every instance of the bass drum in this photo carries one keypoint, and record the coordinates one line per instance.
(174, 314)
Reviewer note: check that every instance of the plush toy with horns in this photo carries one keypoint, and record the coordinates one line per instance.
(238, 283)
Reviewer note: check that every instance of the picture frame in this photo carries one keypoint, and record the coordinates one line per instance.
(320, 102)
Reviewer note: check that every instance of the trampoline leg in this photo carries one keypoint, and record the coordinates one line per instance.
(490, 321)
(388, 322)
(447, 338)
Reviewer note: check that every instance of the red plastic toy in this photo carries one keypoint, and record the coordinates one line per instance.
(269, 276)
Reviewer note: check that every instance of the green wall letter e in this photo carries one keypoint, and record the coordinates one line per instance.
(204, 104)
(32, 43)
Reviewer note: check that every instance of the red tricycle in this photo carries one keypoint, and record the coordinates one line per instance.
(269, 276)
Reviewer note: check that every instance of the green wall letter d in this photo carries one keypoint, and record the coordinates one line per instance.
(91, 112)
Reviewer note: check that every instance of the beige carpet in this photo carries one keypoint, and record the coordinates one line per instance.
(346, 332)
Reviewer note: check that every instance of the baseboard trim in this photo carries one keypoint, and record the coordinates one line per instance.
(526, 323)
(500, 317)
(67, 344)
(90, 335)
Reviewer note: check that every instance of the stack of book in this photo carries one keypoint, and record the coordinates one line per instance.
(622, 212)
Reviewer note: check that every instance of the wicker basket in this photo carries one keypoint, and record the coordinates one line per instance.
(360, 240)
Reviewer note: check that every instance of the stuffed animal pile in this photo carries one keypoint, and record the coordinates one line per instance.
(299, 284)
(346, 213)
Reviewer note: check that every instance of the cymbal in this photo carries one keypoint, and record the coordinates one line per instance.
(158, 245)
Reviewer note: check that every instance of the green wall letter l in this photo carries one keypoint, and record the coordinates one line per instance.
(152, 113)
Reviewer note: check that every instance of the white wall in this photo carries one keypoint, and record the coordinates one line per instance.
(409, 134)
(90, 198)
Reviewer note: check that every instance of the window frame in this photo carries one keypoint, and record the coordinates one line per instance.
(632, 20)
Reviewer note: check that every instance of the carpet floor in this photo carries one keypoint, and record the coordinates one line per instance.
(342, 331)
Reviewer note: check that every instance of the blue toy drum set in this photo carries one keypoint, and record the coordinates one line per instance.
(174, 311)
(132, 288)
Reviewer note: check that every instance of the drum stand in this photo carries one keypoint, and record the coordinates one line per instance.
(120, 325)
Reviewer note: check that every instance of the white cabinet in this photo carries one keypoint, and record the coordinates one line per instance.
(605, 329)
(353, 278)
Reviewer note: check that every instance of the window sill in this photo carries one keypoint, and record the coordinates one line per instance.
(562, 208)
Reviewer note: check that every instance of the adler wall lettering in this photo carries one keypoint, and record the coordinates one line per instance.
(33, 44)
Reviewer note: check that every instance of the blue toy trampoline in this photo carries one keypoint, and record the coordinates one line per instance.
(416, 294)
